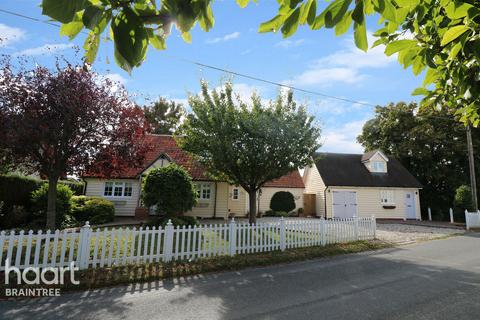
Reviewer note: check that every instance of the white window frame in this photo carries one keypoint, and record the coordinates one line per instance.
(237, 195)
(379, 166)
(202, 189)
(117, 184)
(387, 197)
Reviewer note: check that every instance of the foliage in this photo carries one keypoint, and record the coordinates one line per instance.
(16, 190)
(67, 120)
(282, 201)
(430, 144)
(439, 36)
(63, 204)
(75, 186)
(164, 116)
(248, 145)
(176, 221)
(463, 198)
(93, 209)
(133, 25)
(170, 189)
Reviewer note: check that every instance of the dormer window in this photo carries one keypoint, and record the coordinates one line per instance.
(378, 166)
(375, 161)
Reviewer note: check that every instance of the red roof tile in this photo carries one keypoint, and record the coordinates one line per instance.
(166, 145)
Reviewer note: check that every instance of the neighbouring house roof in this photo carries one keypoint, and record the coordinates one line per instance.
(339, 169)
(166, 145)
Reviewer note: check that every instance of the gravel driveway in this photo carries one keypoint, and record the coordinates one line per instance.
(401, 233)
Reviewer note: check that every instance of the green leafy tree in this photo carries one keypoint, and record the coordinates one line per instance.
(170, 189)
(439, 36)
(430, 144)
(164, 116)
(248, 144)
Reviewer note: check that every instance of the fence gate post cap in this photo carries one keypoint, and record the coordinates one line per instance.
(232, 220)
(87, 224)
(169, 223)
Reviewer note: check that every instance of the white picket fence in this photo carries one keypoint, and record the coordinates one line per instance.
(472, 219)
(123, 246)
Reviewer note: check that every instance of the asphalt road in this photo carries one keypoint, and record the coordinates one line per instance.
(432, 280)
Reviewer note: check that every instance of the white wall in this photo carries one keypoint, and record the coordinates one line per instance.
(368, 202)
(124, 206)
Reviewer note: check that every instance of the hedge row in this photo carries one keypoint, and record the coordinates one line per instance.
(17, 189)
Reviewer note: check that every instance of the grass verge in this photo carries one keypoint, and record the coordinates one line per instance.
(104, 277)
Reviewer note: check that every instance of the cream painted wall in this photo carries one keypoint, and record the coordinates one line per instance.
(268, 192)
(368, 202)
(314, 184)
(124, 206)
(237, 207)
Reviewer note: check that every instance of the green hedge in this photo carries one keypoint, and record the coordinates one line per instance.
(92, 209)
(63, 205)
(282, 201)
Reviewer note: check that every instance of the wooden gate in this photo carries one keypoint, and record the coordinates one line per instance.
(309, 204)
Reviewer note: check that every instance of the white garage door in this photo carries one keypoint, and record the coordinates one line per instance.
(344, 204)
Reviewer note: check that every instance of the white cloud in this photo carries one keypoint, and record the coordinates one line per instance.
(344, 138)
(9, 35)
(344, 66)
(286, 44)
(226, 37)
(47, 49)
(115, 77)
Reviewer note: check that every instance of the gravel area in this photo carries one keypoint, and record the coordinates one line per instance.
(401, 233)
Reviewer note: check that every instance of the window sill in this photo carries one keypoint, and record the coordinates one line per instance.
(389, 206)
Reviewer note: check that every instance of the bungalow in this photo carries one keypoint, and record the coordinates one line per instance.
(347, 185)
(216, 199)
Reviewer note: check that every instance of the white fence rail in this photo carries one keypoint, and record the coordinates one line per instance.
(122, 246)
(472, 219)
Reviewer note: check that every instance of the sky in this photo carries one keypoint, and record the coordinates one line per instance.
(312, 60)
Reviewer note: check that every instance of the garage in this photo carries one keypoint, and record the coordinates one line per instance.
(344, 204)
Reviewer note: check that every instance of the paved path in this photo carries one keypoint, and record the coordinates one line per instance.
(433, 280)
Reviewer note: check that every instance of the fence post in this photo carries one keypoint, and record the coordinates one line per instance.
(324, 231)
(168, 242)
(84, 246)
(355, 219)
(467, 219)
(451, 215)
(429, 214)
(282, 234)
(374, 222)
(232, 237)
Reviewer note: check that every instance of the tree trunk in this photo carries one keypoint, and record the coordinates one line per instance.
(52, 202)
(252, 212)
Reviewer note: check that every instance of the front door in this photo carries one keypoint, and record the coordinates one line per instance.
(410, 205)
(344, 204)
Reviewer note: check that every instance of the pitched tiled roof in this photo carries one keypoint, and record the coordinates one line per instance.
(339, 169)
(166, 145)
(291, 180)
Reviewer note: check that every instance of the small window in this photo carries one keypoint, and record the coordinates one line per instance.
(127, 192)
(118, 189)
(204, 191)
(235, 194)
(379, 166)
(387, 197)
(108, 189)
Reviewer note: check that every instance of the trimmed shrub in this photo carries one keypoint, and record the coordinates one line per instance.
(40, 202)
(176, 221)
(463, 198)
(282, 201)
(75, 186)
(93, 209)
(169, 188)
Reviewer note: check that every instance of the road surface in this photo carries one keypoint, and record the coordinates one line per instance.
(433, 280)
